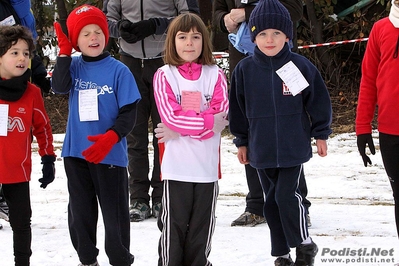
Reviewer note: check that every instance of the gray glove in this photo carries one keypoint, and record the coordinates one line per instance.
(220, 122)
(163, 133)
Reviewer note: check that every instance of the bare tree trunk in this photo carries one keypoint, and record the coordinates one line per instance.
(37, 5)
(62, 14)
(316, 26)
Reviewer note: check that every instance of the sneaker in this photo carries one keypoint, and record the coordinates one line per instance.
(305, 254)
(139, 211)
(308, 220)
(93, 264)
(248, 219)
(3, 210)
(156, 208)
(284, 262)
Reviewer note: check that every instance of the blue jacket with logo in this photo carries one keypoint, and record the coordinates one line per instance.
(275, 126)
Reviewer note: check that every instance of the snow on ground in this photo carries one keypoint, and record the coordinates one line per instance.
(352, 215)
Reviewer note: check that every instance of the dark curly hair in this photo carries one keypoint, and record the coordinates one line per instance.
(9, 36)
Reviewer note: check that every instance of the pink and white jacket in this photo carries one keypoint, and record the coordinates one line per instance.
(194, 156)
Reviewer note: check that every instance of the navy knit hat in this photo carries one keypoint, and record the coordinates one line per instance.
(270, 14)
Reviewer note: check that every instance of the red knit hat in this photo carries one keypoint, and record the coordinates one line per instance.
(83, 16)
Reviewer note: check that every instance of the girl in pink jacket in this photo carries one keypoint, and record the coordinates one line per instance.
(191, 96)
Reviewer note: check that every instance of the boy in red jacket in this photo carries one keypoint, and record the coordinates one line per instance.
(378, 87)
(22, 116)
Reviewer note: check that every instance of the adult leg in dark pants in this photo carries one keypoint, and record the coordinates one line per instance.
(137, 139)
(253, 214)
(389, 145)
(18, 200)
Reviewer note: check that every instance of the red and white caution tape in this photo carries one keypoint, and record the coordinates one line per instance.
(332, 43)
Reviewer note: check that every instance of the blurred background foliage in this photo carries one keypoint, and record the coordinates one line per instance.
(324, 21)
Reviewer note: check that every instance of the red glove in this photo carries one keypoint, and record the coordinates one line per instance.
(63, 41)
(103, 144)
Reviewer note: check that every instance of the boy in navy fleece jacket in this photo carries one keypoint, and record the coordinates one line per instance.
(278, 102)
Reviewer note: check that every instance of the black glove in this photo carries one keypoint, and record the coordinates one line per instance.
(362, 140)
(134, 32)
(48, 170)
(43, 83)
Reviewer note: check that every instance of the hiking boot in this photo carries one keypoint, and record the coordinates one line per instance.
(305, 254)
(308, 220)
(156, 208)
(248, 219)
(139, 211)
(284, 262)
(3, 210)
(92, 264)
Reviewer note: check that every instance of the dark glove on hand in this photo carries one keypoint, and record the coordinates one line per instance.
(63, 42)
(103, 144)
(48, 170)
(134, 32)
(43, 83)
(362, 140)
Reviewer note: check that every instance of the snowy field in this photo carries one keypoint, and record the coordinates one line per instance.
(352, 215)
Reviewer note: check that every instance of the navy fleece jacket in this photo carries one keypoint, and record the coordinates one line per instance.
(275, 126)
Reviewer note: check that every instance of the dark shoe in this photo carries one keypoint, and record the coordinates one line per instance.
(139, 211)
(156, 208)
(3, 210)
(284, 262)
(305, 254)
(248, 219)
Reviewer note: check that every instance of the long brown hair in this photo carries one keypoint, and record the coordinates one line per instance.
(186, 22)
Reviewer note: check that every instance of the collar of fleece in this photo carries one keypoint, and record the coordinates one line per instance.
(394, 14)
(11, 90)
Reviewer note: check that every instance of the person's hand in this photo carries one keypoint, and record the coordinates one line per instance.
(242, 155)
(63, 42)
(362, 140)
(48, 170)
(237, 15)
(103, 144)
(230, 24)
(134, 32)
(163, 133)
(219, 122)
(321, 145)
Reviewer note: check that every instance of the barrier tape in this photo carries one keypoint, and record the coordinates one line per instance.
(332, 43)
(219, 55)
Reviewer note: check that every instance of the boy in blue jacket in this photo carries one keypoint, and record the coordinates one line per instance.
(103, 96)
(278, 102)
